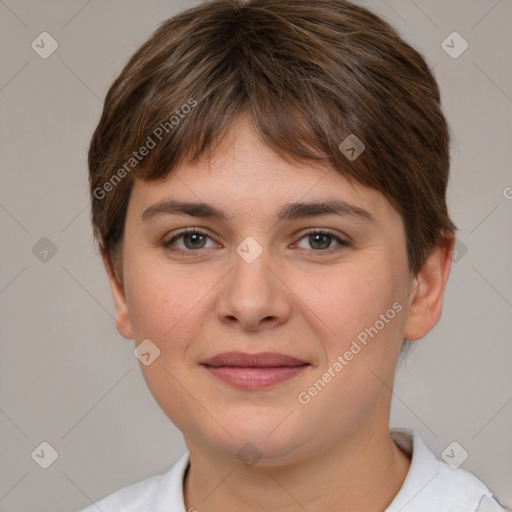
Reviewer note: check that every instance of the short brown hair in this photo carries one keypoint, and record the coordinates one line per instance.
(310, 73)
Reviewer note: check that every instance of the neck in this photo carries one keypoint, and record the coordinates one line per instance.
(363, 473)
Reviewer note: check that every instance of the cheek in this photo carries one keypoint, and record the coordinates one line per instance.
(349, 299)
(364, 308)
(162, 302)
(166, 307)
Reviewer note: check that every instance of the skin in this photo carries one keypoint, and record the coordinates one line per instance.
(296, 298)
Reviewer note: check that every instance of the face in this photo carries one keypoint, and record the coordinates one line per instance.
(276, 324)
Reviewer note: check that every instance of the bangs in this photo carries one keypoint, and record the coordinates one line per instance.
(318, 80)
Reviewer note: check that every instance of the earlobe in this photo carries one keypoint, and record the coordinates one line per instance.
(427, 290)
(123, 322)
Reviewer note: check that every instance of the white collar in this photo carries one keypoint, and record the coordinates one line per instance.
(430, 485)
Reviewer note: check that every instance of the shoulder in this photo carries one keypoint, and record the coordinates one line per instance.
(150, 494)
(133, 498)
(432, 484)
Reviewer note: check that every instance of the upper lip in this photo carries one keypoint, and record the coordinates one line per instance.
(261, 360)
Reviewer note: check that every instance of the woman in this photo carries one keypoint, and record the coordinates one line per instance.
(268, 185)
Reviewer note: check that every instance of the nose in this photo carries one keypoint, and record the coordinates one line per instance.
(254, 294)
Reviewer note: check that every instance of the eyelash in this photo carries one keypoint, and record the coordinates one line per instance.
(343, 243)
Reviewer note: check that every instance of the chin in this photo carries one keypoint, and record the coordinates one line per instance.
(261, 434)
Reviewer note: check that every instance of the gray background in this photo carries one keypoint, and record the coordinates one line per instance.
(68, 378)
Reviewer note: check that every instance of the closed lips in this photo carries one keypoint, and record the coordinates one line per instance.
(259, 360)
(252, 372)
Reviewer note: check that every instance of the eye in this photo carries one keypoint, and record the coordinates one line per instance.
(192, 240)
(321, 240)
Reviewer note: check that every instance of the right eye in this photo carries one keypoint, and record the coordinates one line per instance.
(193, 240)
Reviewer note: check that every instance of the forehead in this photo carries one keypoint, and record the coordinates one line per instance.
(244, 175)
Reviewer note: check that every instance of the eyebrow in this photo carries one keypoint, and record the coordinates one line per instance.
(287, 212)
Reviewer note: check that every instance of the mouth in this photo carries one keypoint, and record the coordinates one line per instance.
(254, 371)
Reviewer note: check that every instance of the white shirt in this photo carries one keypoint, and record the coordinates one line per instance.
(430, 486)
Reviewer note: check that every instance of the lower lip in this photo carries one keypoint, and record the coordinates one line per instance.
(254, 378)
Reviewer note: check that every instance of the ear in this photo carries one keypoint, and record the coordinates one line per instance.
(123, 322)
(427, 290)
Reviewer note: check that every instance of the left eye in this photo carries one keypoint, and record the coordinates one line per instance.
(322, 240)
